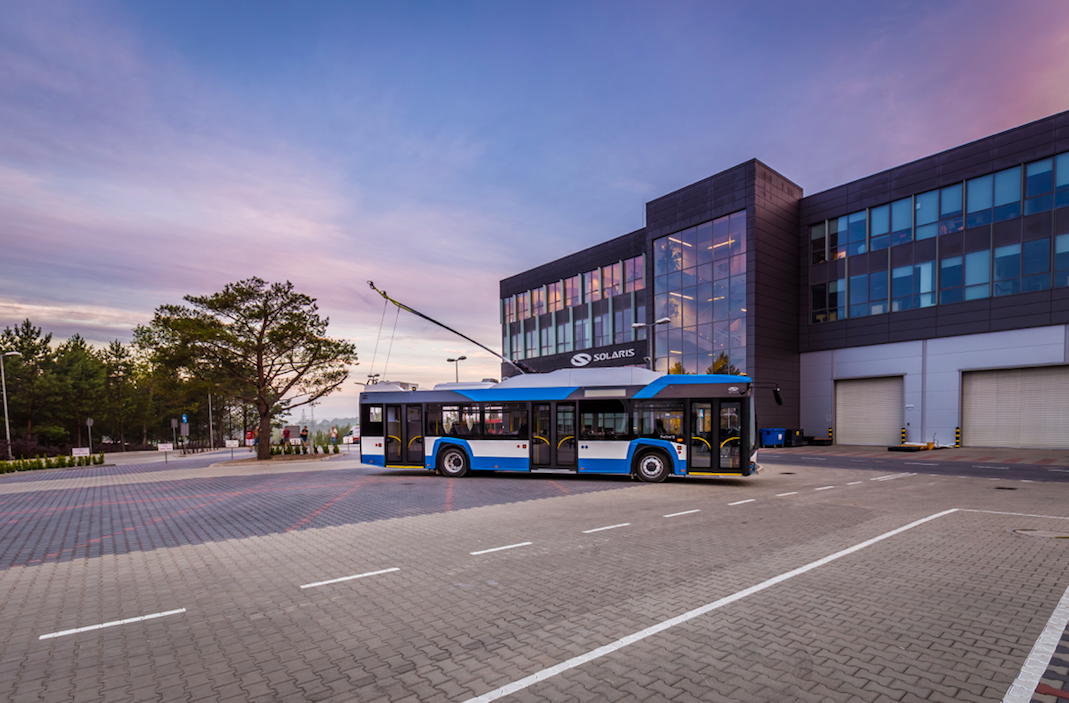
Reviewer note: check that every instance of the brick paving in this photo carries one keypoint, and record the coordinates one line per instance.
(946, 611)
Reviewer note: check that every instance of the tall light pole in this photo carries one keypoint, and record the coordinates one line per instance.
(3, 383)
(456, 367)
(649, 337)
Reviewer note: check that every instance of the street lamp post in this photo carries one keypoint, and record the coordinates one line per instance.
(649, 337)
(3, 383)
(456, 367)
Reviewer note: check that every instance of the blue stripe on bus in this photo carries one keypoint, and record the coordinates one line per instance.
(679, 467)
(689, 380)
(604, 466)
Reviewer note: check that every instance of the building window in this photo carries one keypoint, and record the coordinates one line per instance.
(926, 215)
(1007, 276)
(878, 293)
(634, 274)
(950, 217)
(901, 221)
(602, 329)
(545, 340)
(1007, 194)
(1061, 180)
(978, 275)
(573, 291)
(538, 302)
(924, 294)
(612, 279)
(979, 201)
(592, 285)
(818, 242)
(837, 238)
(1061, 260)
(880, 226)
(857, 233)
(1039, 186)
(1035, 265)
(859, 295)
(582, 328)
(554, 298)
(622, 320)
(530, 331)
(950, 280)
(564, 336)
(508, 310)
(523, 305)
(517, 345)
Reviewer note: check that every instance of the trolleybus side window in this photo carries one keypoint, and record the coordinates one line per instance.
(372, 421)
(454, 421)
(505, 420)
(659, 420)
(604, 420)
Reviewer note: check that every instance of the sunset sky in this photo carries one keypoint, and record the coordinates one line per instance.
(150, 150)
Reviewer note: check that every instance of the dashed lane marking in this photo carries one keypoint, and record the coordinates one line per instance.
(685, 512)
(574, 662)
(608, 527)
(349, 578)
(824, 488)
(792, 493)
(920, 463)
(740, 502)
(113, 623)
(854, 483)
(498, 549)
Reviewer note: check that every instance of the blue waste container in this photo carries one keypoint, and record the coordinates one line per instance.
(773, 436)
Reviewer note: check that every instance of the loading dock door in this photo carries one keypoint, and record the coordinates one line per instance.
(870, 411)
(1015, 408)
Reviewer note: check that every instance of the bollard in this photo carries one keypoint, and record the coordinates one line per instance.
(957, 437)
(903, 435)
(829, 437)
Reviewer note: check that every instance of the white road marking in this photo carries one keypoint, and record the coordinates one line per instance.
(740, 502)
(572, 663)
(610, 527)
(815, 458)
(1063, 471)
(920, 463)
(792, 493)
(349, 578)
(999, 512)
(1024, 687)
(113, 623)
(823, 488)
(983, 466)
(498, 549)
(854, 483)
(685, 512)
(890, 477)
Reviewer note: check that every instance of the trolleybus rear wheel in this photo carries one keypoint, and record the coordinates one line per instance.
(652, 467)
(453, 462)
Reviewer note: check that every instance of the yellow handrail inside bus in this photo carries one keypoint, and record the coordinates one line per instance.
(571, 436)
(413, 440)
(390, 436)
(726, 441)
(706, 443)
(542, 438)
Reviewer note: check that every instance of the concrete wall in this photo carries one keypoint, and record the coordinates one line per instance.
(932, 371)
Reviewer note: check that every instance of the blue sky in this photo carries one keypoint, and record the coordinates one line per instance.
(150, 150)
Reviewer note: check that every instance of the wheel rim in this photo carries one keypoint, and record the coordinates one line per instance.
(453, 462)
(651, 466)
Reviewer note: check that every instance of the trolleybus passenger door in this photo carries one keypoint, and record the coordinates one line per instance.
(413, 436)
(730, 435)
(541, 437)
(702, 437)
(394, 446)
(565, 436)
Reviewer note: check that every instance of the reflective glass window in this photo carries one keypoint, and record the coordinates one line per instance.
(1008, 262)
(564, 336)
(703, 243)
(508, 310)
(927, 213)
(1061, 260)
(924, 284)
(817, 239)
(857, 233)
(553, 295)
(837, 238)
(979, 195)
(721, 237)
(573, 290)
(738, 296)
(523, 305)
(901, 288)
(592, 285)
(538, 302)
(859, 295)
(634, 274)
(950, 280)
(1035, 257)
(1007, 194)
(878, 293)
(737, 233)
(612, 280)
(879, 228)
(902, 221)
(977, 274)
(1061, 180)
(1038, 178)
(950, 214)
(686, 242)
(667, 255)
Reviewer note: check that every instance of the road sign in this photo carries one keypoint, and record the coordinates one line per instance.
(88, 422)
(231, 443)
(296, 441)
(80, 451)
(185, 420)
(185, 429)
(165, 447)
(346, 440)
(174, 423)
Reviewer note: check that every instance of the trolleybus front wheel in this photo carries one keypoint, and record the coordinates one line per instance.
(453, 462)
(652, 467)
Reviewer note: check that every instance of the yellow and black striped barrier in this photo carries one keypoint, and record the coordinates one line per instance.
(829, 436)
(957, 437)
(903, 435)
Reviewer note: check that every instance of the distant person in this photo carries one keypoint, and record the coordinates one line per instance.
(285, 437)
(250, 439)
(304, 436)
(333, 436)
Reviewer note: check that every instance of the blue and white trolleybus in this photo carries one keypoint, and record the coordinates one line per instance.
(582, 421)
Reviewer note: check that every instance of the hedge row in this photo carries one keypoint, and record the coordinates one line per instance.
(56, 462)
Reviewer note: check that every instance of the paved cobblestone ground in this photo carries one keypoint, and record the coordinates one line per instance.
(947, 610)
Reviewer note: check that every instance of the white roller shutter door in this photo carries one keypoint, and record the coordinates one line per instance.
(869, 411)
(1016, 408)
